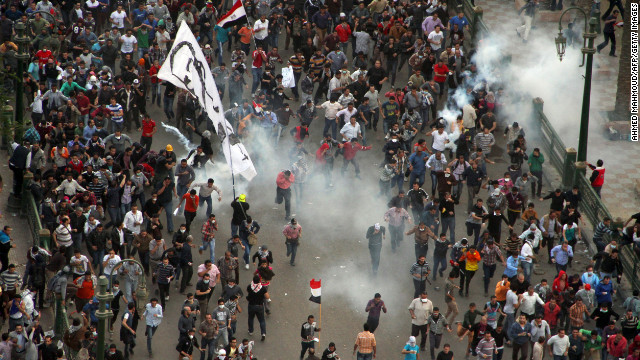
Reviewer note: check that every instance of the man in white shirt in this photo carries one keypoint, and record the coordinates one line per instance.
(331, 109)
(510, 307)
(436, 38)
(440, 137)
(153, 317)
(559, 345)
(133, 219)
(206, 190)
(351, 128)
(261, 31)
(80, 264)
(109, 264)
(420, 309)
(129, 43)
(527, 254)
(117, 18)
(528, 303)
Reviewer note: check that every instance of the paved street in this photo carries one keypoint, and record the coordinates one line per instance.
(619, 193)
(333, 249)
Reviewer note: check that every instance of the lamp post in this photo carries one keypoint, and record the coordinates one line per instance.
(105, 296)
(588, 49)
(103, 313)
(22, 55)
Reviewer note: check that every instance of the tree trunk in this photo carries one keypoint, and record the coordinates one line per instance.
(623, 94)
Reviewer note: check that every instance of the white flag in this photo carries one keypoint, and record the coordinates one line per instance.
(288, 80)
(186, 68)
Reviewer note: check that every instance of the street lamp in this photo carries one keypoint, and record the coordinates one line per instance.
(105, 297)
(588, 50)
(22, 56)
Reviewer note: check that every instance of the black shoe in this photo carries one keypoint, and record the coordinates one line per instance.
(613, 55)
(264, 336)
(598, 50)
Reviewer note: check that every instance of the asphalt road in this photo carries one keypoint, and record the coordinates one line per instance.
(333, 249)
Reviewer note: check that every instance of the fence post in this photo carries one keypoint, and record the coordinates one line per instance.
(568, 168)
(477, 17)
(580, 169)
(44, 239)
(59, 327)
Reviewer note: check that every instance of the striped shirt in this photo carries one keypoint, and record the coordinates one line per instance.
(9, 280)
(296, 64)
(164, 272)
(316, 63)
(365, 342)
(484, 141)
(486, 348)
(602, 229)
(117, 108)
(63, 235)
(575, 312)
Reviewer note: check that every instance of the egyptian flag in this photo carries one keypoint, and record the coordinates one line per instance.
(234, 15)
(257, 107)
(315, 291)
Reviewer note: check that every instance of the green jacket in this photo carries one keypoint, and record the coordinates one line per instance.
(535, 162)
(588, 345)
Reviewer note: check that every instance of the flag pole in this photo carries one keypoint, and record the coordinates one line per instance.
(319, 322)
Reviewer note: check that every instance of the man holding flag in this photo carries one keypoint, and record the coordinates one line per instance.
(186, 67)
(234, 17)
(307, 332)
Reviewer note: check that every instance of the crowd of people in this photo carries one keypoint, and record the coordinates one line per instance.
(93, 69)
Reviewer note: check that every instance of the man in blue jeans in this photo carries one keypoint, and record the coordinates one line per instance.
(165, 190)
(259, 57)
(185, 175)
(153, 317)
(417, 166)
(206, 190)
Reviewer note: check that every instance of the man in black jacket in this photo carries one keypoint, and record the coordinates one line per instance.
(18, 163)
(240, 207)
(187, 343)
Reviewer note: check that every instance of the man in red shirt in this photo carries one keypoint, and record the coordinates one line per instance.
(283, 191)
(191, 202)
(440, 71)
(148, 129)
(84, 105)
(43, 56)
(344, 33)
(155, 82)
(259, 57)
(351, 148)
(85, 290)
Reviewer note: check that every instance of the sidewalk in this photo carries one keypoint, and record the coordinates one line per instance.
(619, 192)
(21, 234)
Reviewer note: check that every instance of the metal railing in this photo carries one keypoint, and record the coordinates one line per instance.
(591, 205)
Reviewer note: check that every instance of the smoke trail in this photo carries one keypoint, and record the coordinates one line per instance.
(181, 138)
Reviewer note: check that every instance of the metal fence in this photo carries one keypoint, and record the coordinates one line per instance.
(564, 161)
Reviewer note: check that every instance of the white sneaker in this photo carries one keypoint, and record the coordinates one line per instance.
(246, 266)
(166, 298)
